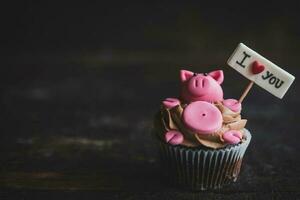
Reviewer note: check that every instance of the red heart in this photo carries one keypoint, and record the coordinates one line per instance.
(257, 67)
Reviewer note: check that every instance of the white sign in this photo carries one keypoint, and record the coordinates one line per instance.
(260, 70)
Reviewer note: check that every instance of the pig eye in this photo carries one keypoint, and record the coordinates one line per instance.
(195, 74)
(205, 74)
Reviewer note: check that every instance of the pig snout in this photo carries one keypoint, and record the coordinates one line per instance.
(198, 85)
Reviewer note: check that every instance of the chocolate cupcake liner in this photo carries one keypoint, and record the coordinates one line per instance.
(202, 169)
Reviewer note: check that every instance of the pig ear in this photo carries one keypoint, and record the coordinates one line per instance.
(217, 75)
(185, 75)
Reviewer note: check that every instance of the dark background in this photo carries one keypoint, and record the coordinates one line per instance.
(80, 83)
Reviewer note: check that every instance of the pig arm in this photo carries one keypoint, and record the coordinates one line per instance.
(169, 103)
(174, 137)
(232, 104)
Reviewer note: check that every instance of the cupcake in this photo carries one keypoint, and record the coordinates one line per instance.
(202, 136)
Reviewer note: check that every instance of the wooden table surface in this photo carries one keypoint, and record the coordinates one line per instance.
(76, 130)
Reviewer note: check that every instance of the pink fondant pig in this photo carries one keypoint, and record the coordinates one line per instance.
(200, 115)
(205, 87)
(201, 87)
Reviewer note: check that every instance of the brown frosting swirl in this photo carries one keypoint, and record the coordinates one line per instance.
(170, 119)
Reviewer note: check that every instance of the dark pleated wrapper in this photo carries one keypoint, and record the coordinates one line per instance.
(203, 169)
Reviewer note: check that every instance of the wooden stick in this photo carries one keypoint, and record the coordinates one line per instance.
(249, 86)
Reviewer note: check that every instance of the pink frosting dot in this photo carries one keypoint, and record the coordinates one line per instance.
(202, 117)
